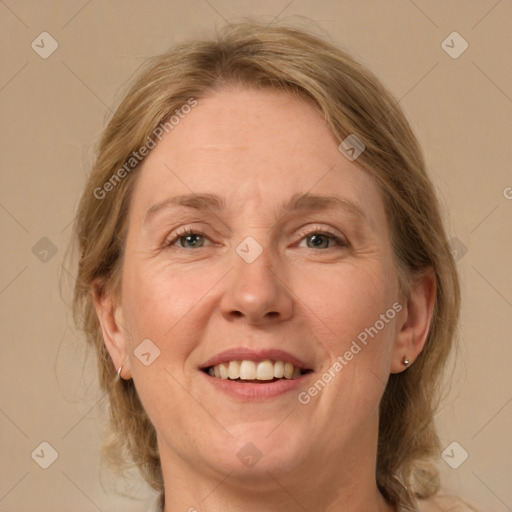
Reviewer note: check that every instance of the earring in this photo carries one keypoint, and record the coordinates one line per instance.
(119, 372)
(406, 361)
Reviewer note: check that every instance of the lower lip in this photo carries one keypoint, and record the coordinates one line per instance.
(256, 392)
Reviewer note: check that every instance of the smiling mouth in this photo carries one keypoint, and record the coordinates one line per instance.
(255, 372)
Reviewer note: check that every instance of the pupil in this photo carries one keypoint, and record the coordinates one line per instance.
(189, 237)
(317, 238)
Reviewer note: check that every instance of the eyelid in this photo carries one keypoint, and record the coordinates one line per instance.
(318, 229)
(303, 233)
(183, 231)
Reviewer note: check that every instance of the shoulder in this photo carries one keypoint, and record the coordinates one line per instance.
(444, 503)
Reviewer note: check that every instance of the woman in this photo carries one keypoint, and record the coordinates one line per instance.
(266, 279)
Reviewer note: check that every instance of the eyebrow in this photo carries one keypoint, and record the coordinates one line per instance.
(217, 204)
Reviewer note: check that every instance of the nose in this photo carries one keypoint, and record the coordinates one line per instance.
(257, 292)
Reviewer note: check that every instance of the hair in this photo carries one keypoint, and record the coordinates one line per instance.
(352, 101)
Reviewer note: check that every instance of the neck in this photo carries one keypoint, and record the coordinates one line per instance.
(273, 496)
(319, 484)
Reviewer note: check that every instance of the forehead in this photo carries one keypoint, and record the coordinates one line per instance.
(255, 148)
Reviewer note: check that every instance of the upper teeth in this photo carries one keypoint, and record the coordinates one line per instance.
(253, 370)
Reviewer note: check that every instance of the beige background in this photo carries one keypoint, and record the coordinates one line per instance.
(52, 113)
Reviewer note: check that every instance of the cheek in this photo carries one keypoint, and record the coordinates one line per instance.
(357, 326)
(349, 300)
(155, 307)
(156, 298)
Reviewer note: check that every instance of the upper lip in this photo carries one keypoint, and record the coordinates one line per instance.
(243, 353)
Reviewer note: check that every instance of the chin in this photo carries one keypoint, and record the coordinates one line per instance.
(259, 449)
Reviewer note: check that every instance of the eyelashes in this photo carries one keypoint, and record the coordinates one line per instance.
(326, 234)
(183, 233)
(188, 232)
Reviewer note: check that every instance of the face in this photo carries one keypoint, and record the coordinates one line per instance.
(265, 273)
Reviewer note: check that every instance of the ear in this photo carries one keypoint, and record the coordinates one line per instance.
(415, 320)
(110, 316)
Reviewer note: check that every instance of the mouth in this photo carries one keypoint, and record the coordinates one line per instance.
(255, 375)
(255, 372)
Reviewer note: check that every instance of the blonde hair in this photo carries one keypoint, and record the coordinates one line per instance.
(352, 101)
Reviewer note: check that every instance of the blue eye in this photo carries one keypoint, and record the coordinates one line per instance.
(318, 237)
(196, 239)
(187, 234)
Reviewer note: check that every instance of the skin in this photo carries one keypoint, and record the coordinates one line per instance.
(199, 297)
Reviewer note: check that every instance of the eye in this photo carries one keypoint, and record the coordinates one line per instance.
(321, 236)
(188, 235)
(195, 239)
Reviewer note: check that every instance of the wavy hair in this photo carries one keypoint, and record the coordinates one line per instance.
(352, 101)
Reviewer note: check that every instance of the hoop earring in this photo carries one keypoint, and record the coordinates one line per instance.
(406, 361)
